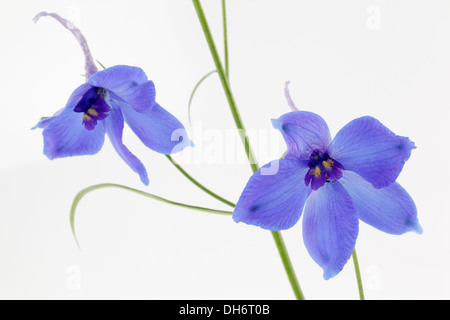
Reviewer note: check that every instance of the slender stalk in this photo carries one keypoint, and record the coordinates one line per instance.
(194, 90)
(288, 265)
(358, 275)
(225, 85)
(250, 155)
(276, 235)
(89, 65)
(85, 191)
(198, 184)
(225, 40)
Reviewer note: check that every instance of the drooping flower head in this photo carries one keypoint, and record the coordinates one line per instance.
(335, 183)
(110, 98)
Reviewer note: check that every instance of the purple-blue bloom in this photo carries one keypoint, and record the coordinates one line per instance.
(110, 98)
(335, 183)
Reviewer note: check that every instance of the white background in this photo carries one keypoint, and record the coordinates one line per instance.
(345, 59)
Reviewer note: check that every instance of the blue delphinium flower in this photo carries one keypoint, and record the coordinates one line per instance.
(335, 183)
(109, 98)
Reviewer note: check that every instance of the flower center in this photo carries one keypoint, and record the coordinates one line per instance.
(93, 107)
(322, 169)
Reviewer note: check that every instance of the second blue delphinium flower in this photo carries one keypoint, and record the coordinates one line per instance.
(110, 98)
(335, 183)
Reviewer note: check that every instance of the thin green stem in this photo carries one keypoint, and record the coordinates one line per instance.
(241, 129)
(198, 184)
(194, 90)
(85, 191)
(288, 265)
(225, 40)
(276, 235)
(225, 85)
(358, 275)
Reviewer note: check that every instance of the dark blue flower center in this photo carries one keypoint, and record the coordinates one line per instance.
(93, 107)
(322, 169)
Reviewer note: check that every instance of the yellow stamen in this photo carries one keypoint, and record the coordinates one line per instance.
(316, 172)
(328, 164)
(86, 117)
(92, 112)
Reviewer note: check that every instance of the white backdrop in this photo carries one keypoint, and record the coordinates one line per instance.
(345, 59)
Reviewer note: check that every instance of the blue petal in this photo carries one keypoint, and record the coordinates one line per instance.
(65, 135)
(74, 98)
(330, 227)
(126, 84)
(390, 209)
(114, 128)
(368, 148)
(45, 121)
(158, 129)
(274, 196)
(303, 132)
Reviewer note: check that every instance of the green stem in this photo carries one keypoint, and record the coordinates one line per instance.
(225, 40)
(198, 184)
(276, 235)
(288, 265)
(85, 191)
(250, 155)
(194, 90)
(225, 85)
(358, 275)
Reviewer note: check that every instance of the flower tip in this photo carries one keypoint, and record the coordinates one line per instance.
(185, 143)
(417, 228)
(239, 215)
(42, 123)
(407, 145)
(276, 123)
(39, 15)
(49, 154)
(144, 178)
(329, 273)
